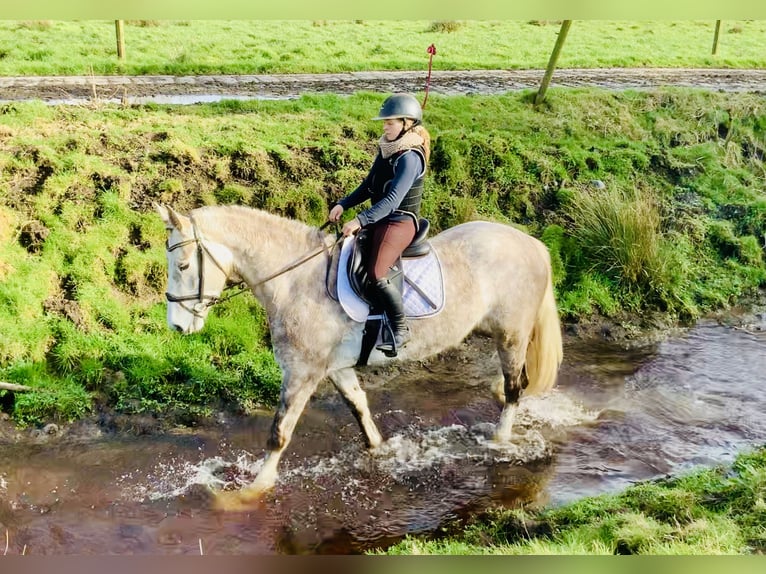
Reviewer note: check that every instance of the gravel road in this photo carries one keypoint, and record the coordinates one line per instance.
(189, 89)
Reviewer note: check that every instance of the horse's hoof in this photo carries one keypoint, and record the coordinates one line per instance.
(375, 448)
(248, 498)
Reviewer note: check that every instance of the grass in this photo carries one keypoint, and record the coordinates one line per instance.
(52, 47)
(620, 232)
(677, 228)
(706, 512)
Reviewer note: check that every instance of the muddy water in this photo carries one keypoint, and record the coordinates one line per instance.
(617, 416)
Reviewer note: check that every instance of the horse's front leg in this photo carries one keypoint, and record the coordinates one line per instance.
(346, 381)
(295, 393)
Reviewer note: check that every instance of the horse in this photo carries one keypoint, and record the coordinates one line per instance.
(498, 282)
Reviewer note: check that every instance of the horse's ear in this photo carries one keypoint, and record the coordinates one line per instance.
(172, 219)
(163, 211)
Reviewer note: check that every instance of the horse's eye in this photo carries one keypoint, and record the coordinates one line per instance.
(183, 266)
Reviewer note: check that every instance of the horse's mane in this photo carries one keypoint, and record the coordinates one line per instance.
(251, 225)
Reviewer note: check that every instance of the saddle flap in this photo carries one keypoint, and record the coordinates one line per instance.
(358, 276)
(356, 268)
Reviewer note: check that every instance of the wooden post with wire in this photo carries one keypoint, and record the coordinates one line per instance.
(431, 50)
(118, 26)
(563, 31)
(715, 36)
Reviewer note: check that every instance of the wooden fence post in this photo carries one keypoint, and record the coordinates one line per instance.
(715, 37)
(552, 61)
(120, 39)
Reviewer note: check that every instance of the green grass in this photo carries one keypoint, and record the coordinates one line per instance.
(706, 512)
(678, 228)
(620, 232)
(273, 46)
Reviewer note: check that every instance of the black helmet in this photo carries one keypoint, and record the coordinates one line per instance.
(400, 106)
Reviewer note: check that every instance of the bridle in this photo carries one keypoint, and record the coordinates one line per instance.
(206, 301)
(203, 301)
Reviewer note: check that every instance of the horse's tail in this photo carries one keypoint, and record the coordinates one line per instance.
(545, 352)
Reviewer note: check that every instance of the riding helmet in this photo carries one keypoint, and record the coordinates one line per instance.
(400, 106)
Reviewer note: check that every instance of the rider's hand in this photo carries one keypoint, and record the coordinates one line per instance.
(335, 213)
(351, 227)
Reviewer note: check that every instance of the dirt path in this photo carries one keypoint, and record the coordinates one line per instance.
(442, 82)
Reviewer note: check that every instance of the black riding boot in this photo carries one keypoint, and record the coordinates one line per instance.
(390, 299)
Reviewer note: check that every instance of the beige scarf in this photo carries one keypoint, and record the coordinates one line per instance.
(407, 141)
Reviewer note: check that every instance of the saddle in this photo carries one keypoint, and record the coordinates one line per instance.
(417, 274)
(357, 271)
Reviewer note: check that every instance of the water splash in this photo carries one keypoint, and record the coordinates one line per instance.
(173, 478)
(411, 454)
(555, 410)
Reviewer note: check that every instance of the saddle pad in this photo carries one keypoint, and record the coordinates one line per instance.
(423, 294)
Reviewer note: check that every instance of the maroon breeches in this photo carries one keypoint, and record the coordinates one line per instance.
(389, 239)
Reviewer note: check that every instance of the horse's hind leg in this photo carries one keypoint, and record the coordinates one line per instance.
(514, 382)
(295, 393)
(346, 382)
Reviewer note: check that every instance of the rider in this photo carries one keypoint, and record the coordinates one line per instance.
(394, 186)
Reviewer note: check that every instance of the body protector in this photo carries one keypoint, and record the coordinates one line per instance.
(383, 173)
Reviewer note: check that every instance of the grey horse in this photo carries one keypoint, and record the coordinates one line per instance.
(497, 282)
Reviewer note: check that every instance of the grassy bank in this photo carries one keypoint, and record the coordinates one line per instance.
(677, 228)
(712, 511)
(257, 47)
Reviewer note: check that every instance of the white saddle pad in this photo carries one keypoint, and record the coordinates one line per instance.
(424, 272)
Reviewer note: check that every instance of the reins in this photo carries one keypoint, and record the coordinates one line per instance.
(297, 263)
(301, 261)
(200, 296)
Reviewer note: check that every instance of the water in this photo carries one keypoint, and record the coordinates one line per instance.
(696, 400)
(617, 416)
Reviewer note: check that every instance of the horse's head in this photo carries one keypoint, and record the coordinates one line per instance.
(197, 272)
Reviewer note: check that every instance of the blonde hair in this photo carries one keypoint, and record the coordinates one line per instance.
(423, 132)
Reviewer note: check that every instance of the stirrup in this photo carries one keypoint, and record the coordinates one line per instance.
(389, 346)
